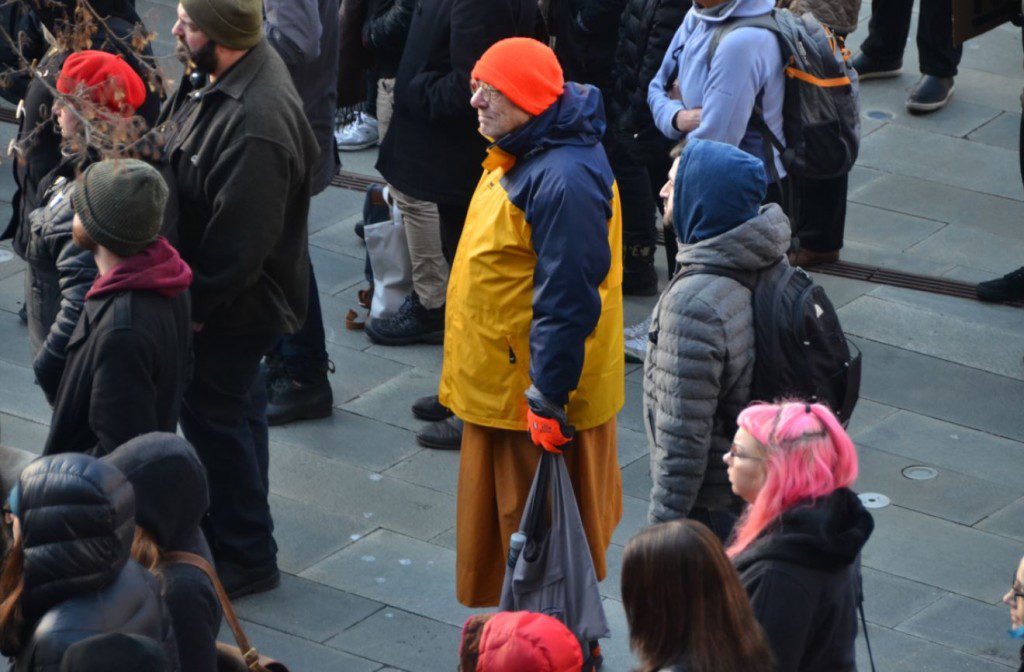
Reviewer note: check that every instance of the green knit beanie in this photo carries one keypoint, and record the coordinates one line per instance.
(235, 24)
(121, 204)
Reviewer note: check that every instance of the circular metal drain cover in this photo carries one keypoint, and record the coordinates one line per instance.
(919, 473)
(879, 115)
(873, 500)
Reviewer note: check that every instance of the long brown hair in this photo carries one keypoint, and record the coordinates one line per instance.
(685, 605)
(145, 550)
(12, 585)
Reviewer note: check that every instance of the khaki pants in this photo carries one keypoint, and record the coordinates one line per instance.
(385, 105)
(496, 471)
(423, 234)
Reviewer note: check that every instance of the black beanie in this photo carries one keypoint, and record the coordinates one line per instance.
(115, 652)
(121, 204)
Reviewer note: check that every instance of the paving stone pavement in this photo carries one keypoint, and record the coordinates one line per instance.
(365, 518)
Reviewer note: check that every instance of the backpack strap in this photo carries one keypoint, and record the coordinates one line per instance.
(766, 21)
(746, 278)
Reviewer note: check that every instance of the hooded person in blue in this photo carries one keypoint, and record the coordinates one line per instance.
(694, 99)
(700, 361)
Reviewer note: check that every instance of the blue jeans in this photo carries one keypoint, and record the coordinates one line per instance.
(304, 353)
(224, 416)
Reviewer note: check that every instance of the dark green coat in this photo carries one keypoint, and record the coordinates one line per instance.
(237, 159)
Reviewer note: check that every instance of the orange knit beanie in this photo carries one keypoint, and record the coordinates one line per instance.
(523, 69)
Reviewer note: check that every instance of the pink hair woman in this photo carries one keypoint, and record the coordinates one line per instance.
(797, 546)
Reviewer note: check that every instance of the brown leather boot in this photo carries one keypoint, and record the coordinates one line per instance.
(806, 258)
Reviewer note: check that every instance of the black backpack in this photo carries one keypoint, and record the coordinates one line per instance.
(821, 111)
(800, 348)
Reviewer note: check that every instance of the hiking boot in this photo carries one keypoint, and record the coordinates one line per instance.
(1010, 287)
(430, 409)
(638, 275)
(361, 133)
(868, 68)
(441, 435)
(300, 398)
(930, 94)
(240, 581)
(806, 258)
(411, 324)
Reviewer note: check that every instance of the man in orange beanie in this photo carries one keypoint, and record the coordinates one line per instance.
(533, 347)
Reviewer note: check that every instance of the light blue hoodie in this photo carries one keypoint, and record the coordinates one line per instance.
(748, 63)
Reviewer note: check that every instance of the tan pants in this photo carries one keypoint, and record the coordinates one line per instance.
(423, 235)
(385, 105)
(496, 470)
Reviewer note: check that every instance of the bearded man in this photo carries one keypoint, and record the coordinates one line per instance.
(237, 154)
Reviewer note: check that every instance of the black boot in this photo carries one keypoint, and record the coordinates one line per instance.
(638, 275)
(1010, 287)
(441, 435)
(304, 397)
(930, 93)
(430, 409)
(411, 324)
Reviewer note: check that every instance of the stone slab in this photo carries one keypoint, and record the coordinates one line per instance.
(14, 347)
(445, 540)
(886, 257)
(842, 291)
(335, 272)
(866, 414)
(1002, 132)
(306, 534)
(362, 442)
(929, 550)
(634, 519)
(617, 656)
(970, 246)
(970, 275)
(10, 263)
(875, 226)
(956, 120)
(890, 600)
(24, 434)
(423, 357)
(341, 238)
(917, 153)
(950, 495)
(612, 584)
(399, 571)
(967, 625)
(20, 396)
(434, 469)
(631, 415)
(898, 652)
(936, 334)
(860, 177)
(333, 205)
(390, 402)
(405, 640)
(949, 446)
(988, 89)
(334, 310)
(306, 609)
(1008, 521)
(12, 293)
(941, 389)
(988, 53)
(301, 655)
(1000, 317)
(632, 445)
(358, 373)
(343, 489)
(636, 479)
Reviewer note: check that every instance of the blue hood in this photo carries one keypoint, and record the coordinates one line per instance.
(717, 188)
(576, 118)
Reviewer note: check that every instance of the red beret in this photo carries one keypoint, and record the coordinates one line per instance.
(108, 81)
(523, 69)
(516, 641)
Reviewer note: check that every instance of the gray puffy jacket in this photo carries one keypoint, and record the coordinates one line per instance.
(698, 374)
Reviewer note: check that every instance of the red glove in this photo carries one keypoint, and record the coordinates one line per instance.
(546, 432)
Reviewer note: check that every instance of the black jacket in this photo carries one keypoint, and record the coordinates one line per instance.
(803, 578)
(77, 520)
(23, 26)
(384, 32)
(240, 187)
(432, 150)
(58, 276)
(127, 367)
(171, 496)
(38, 134)
(586, 33)
(647, 29)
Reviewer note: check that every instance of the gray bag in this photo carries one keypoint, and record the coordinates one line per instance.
(554, 572)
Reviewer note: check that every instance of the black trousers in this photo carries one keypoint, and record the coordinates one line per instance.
(640, 176)
(820, 218)
(453, 217)
(224, 415)
(304, 353)
(890, 25)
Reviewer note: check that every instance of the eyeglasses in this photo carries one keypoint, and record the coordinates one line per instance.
(486, 91)
(736, 455)
(1016, 590)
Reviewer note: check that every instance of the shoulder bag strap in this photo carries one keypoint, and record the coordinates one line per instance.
(249, 653)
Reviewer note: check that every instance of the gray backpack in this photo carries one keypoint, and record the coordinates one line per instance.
(553, 574)
(821, 111)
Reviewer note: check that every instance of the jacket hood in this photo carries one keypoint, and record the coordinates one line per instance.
(77, 519)
(170, 484)
(732, 9)
(751, 246)
(717, 188)
(158, 268)
(827, 533)
(576, 118)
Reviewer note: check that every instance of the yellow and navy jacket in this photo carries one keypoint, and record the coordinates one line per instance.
(535, 293)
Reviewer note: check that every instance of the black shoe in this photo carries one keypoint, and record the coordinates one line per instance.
(1010, 287)
(23, 314)
(300, 399)
(441, 435)
(240, 581)
(430, 409)
(930, 94)
(272, 368)
(638, 275)
(411, 324)
(868, 68)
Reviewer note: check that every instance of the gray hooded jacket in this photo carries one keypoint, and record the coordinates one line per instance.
(698, 374)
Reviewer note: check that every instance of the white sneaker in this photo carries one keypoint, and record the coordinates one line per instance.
(362, 133)
(636, 338)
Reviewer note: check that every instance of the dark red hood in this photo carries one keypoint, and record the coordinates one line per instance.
(158, 268)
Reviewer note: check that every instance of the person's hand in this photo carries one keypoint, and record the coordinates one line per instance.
(197, 327)
(686, 120)
(547, 423)
(674, 93)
